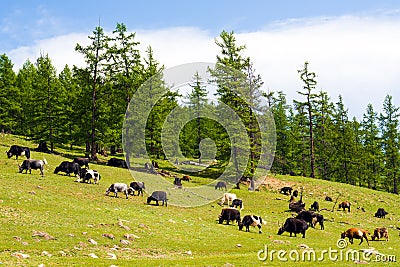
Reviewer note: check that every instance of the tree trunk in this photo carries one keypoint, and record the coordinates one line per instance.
(312, 155)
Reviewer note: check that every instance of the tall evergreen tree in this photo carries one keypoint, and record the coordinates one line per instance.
(309, 81)
(124, 74)
(48, 99)
(95, 57)
(25, 82)
(372, 156)
(342, 142)
(10, 108)
(197, 102)
(324, 135)
(280, 110)
(389, 122)
(68, 120)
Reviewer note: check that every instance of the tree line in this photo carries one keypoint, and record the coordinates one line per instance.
(85, 106)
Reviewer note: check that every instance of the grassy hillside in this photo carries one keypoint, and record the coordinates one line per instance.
(59, 222)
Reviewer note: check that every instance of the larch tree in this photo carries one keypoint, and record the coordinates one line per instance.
(10, 108)
(389, 122)
(95, 57)
(124, 74)
(49, 101)
(309, 81)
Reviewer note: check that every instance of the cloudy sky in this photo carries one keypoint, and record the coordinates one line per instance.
(353, 46)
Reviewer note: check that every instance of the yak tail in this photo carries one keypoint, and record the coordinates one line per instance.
(45, 161)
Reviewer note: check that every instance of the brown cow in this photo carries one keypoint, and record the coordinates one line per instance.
(355, 233)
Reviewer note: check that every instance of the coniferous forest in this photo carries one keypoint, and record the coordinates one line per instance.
(85, 106)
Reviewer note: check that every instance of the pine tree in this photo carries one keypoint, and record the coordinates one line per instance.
(324, 135)
(197, 101)
(309, 81)
(48, 99)
(25, 82)
(372, 156)
(389, 122)
(68, 120)
(95, 57)
(10, 108)
(342, 140)
(279, 108)
(124, 75)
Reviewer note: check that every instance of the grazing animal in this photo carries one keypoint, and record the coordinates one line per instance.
(30, 164)
(297, 206)
(381, 213)
(88, 175)
(158, 196)
(227, 197)
(356, 233)
(380, 232)
(68, 168)
(220, 185)
(251, 220)
(137, 186)
(177, 182)
(319, 218)
(345, 205)
(229, 214)
(293, 225)
(114, 162)
(286, 190)
(236, 203)
(307, 216)
(295, 193)
(328, 199)
(16, 151)
(315, 206)
(119, 187)
(292, 199)
(186, 178)
(82, 161)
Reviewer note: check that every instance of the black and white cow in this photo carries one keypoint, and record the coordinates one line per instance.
(82, 161)
(119, 187)
(293, 225)
(114, 162)
(229, 214)
(86, 176)
(137, 186)
(251, 220)
(30, 164)
(158, 196)
(68, 168)
(16, 151)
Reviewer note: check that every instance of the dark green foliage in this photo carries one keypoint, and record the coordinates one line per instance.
(86, 107)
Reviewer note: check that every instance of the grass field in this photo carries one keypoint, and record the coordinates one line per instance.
(58, 222)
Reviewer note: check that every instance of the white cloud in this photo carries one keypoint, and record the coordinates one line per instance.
(357, 57)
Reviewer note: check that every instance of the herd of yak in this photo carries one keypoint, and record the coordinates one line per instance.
(294, 225)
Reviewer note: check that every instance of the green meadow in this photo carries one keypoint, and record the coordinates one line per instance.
(54, 221)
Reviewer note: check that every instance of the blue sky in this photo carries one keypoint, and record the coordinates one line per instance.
(24, 21)
(346, 42)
